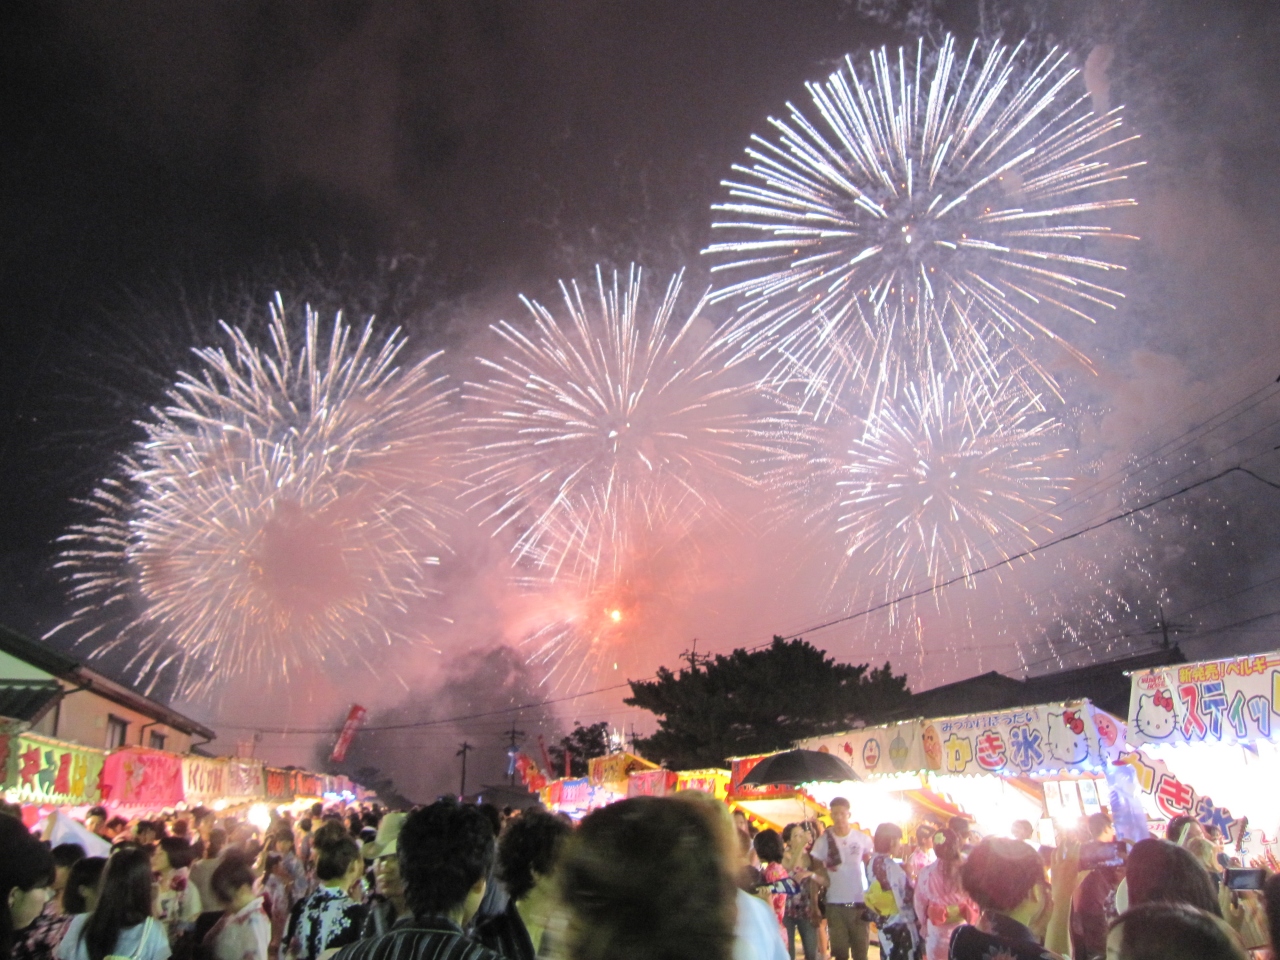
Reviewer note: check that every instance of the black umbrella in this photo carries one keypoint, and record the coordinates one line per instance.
(798, 766)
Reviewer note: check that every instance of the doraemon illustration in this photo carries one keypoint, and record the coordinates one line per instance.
(1067, 741)
(1156, 717)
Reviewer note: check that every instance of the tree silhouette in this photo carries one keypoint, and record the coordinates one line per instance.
(755, 701)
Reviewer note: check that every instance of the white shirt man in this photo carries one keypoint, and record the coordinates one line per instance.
(839, 855)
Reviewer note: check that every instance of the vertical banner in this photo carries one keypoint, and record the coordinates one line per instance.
(354, 719)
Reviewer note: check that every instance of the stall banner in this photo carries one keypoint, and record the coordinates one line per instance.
(44, 770)
(711, 780)
(651, 783)
(305, 784)
(1166, 797)
(614, 768)
(245, 780)
(575, 793)
(1050, 737)
(279, 784)
(203, 778)
(1227, 701)
(137, 776)
(874, 751)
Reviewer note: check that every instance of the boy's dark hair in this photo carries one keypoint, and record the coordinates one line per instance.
(86, 872)
(97, 812)
(217, 840)
(530, 844)
(768, 846)
(67, 854)
(117, 823)
(443, 849)
(335, 852)
(235, 870)
(1099, 823)
(1174, 931)
(959, 826)
(1001, 873)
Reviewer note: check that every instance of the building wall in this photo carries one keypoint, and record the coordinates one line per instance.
(82, 718)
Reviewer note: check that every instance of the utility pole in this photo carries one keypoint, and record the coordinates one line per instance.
(462, 752)
(1163, 628)
(513, 733)
(691, 656)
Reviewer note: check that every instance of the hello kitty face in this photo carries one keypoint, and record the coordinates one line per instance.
(1156, 718)
(1067, 741)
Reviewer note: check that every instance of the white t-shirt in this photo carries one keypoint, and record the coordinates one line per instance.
(848, 880)
(144, 941)
(756, 935)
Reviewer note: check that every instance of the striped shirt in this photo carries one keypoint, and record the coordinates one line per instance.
(433, 938)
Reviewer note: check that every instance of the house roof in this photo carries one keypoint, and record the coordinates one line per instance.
(54, 662)
(1105, 684)
(28, 700)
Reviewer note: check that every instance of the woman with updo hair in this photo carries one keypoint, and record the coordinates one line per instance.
(329, 917)
(648, 879)
(941, 902)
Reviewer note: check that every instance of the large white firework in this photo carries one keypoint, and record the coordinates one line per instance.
(619, 421)
(982, 184)
(282, 511)
(929, 484)
(946, 479)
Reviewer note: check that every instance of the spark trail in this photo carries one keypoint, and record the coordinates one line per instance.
(981, 184)
(282, 510)
(611, 425)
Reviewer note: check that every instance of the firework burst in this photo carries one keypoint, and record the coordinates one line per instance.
(610, 426)
(980, 183)
(930, 484)
(281, 511)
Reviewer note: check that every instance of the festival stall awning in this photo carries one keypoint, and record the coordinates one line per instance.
(139, 777)
(41, 770)
(710, 780)
(1210, 726)
(651, 783)
(204, 779)
(610, 772)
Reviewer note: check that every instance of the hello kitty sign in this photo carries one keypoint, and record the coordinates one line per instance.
(1221, 701)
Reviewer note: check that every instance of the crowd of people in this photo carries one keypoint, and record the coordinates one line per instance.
(642, 879)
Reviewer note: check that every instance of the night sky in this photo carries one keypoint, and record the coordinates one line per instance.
(161, 160)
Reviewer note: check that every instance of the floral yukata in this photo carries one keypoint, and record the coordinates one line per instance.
(326, 919)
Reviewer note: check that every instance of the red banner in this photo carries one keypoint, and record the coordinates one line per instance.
(744, 765)
(354, 719)
(651, 783)
(279, 785)
(136, 776)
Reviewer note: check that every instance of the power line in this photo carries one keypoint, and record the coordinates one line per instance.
(1023, 554)
(1240, 468)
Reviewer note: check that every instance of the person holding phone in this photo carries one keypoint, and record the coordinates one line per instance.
(1093, 905)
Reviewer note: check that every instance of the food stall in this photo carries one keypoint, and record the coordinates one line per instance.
(1045, 763)
(1208, 726)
